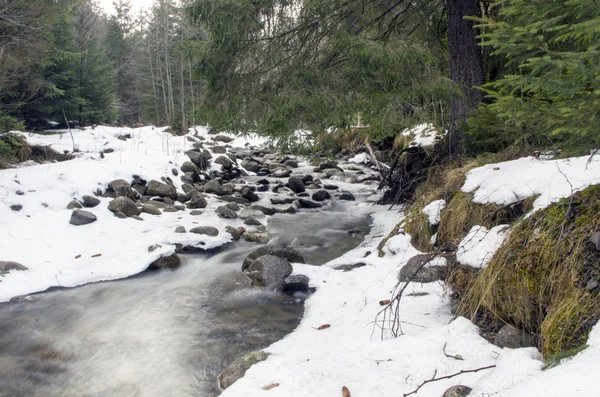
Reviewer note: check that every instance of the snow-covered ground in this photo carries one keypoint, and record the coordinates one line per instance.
(352, 352)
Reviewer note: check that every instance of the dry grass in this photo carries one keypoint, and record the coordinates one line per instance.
(537, 279)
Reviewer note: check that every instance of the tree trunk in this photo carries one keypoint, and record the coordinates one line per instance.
(466, 67)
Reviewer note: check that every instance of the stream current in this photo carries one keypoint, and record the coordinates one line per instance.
(165, 333)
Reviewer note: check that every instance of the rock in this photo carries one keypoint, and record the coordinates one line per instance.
(249, 195)
(302, 203)
(264, 210)
(16, 207)
(207, 230)
(282, 173)
(251, 213)
(215, 187)
(262, 188)
(238, 368)
(175, 171)
(137, 218)
(180, 229)
(123, 188)
(120, 215)
(279, 201)
(156, 188)
(188, 166)
(224, 162)
(251, 165)
(166, 262)
(150, 209)
(289, 254)
(219, 149)
(170, 208)
(234, 199)
(513, 338)
(591, 285)
(81, 217)
(124, 205)
(431, 272)
(200, 159)
(595, 239)
(268, 271)
(291, 163)
(252, 222)
(196, 213)
(347, 196)
(457, 391)
(223, 138)
(6, 266)
(295, 283)
(233, 206)
(257, 237)
(348, 268)
(225, 212)
(90, 201)
(200, 201)
(287, 210)
(321, 195)
(158, 204)
(74, 204)
(295, 183)
(182, 198)
(235, 232)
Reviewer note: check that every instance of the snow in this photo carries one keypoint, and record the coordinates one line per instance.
(60, 254)
(478, 247)
(361, 158)
(353, 352)
(433, 211)
(511, 181)
(422, 135)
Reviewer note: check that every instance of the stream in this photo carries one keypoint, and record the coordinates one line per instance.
(164, 333)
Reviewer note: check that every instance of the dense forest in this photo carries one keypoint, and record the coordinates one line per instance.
(496, 73)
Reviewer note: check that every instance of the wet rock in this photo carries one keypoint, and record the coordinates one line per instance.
(251, 213)
(150, 209)
(166, 262)
(238, 368)
(321, 195)
(595, 239)
(226, 213)
(302, 203)
(429, 273)
(256, 237)
(234, 199)
(268, 271)
(16, 207)
(330, 187)
(200, 201)
(295, 183)
(156, 188)
(347, 196)
(180, 229)
(249, 195)
(6, 266)
(251, 165)
(80, 217)
(236, 233)
(206, 230)
(122, 188)
(124, 205)
(281, 173)
(295, 283)
(219, 149)
(263, 182)
(287, 210)
(513, 338)
(262, 188)
(457, 391)
(74, 204)
(90, 201)
(196, 213)
(264, 210)
(224, 162)
(307, 178)
(200, 159)
(279, 201)
(252, 222)
(289, 254)
(233, 206)
(291, 163)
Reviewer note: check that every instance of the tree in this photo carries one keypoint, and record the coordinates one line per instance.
(552, 86)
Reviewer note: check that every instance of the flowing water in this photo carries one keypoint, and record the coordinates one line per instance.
(167, 333)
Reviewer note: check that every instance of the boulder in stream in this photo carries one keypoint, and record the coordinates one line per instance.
(238, 368)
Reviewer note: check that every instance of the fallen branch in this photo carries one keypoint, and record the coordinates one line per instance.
(382, 167)
(434, 379)
(69, 128)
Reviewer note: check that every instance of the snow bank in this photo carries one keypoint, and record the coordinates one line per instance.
(504, 183)
(433, 211)
(422, 135)
(480, 244)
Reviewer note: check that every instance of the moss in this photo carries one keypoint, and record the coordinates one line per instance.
(417, 225)
(395, 231)
(537, 279)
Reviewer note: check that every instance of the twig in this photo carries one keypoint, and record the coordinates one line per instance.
(591, 157)
(456, 357)
(434, 379)
(69, 128)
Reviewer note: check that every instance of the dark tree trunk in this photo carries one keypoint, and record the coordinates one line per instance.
(466, 68)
